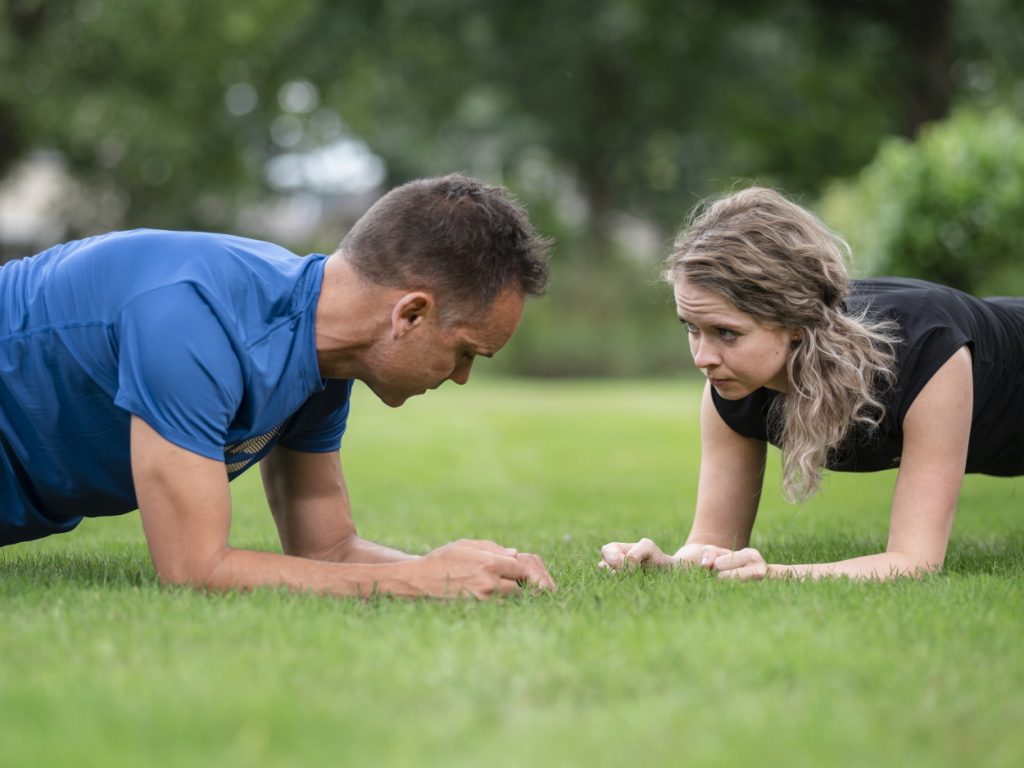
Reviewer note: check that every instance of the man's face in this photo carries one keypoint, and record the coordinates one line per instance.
(430, 354)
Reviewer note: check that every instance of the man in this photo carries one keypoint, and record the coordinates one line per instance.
(146, 369)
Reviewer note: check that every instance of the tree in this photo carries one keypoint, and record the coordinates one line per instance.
(635, 106)
(140, 105)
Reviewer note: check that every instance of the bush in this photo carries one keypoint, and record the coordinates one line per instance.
(946, 208)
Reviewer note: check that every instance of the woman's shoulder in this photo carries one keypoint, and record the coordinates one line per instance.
(902, 294)
(933, 321)
(918, 307)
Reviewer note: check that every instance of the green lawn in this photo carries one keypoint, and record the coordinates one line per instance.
(99, 666)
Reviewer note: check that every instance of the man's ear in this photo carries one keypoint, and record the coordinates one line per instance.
(410, 312)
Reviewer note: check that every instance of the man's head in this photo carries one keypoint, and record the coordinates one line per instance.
(463, 241)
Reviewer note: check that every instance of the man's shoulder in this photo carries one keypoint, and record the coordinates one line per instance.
(187, 245)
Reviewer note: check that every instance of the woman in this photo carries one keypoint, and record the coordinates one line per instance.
(852, 376)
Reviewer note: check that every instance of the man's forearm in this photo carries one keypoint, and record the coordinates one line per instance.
(477, 569)
(248, 569)
(354, 549)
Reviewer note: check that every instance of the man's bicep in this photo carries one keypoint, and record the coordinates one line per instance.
(177, 369)
(185, 505)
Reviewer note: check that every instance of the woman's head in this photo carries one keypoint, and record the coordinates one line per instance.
(773, 261)
(765, 255)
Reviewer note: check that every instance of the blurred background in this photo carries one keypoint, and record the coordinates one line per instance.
(898, 121)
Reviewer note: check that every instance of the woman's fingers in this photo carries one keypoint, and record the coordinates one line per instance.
(620, 554)
(710, 555)
(645, 552)
(745, 564)
(613, 555)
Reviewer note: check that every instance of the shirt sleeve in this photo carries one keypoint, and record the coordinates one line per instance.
(922, 360)
(319, 424)
(177, 369)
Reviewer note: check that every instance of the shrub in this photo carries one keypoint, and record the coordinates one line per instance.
(948, 207)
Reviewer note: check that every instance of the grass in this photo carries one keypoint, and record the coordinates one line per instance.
(99, 666)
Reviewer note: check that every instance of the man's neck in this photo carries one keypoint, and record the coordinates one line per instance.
(351, 317)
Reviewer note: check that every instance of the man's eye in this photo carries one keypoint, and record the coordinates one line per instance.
(691, 328)
(726, 335)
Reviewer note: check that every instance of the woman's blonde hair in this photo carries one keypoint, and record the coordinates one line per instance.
(779, 264)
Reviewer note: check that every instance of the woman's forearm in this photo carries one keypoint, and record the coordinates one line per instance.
(878, 567)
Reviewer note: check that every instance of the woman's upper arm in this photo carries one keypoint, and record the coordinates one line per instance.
(936, 433)
(731, 474)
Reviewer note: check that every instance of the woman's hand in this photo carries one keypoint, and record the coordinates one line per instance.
(745, 564)
(701, 555)
(620, 555)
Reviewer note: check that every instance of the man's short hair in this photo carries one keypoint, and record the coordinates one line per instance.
(460, 239)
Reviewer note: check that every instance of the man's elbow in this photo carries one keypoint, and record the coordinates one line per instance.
(201, 573)
(338, 551)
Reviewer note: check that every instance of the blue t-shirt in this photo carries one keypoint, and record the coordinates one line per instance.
(208, 338)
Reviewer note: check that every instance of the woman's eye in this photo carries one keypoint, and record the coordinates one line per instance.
(690, 328)
(726, 335)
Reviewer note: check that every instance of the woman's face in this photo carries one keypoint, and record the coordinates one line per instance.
(737, 353)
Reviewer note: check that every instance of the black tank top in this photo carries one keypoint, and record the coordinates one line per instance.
(934, 322)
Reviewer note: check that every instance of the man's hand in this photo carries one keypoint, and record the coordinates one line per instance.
(480, 569)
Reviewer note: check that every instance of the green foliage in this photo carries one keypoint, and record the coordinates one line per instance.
(134, 98)
(102, 667)
(646, 106)
(167, 114)
(946, 207)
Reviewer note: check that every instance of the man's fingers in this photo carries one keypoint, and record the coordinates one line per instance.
(507, 587)
(487, 546)
(506, 567)
(502, 569)
(537, 572)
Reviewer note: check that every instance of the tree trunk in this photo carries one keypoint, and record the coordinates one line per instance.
(923, 27)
